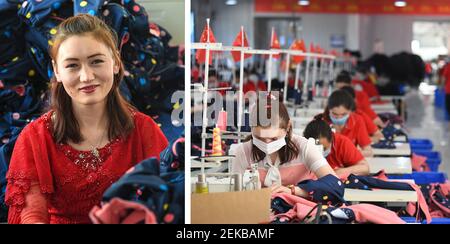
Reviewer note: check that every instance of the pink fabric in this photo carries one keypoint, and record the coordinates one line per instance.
(367, 213)
(364, 213)
(290, 175)
(301, 207)
(381, 175)
(437, 214)
(419, 163)
(445, 188)
(442, 209)
(343, 176)
(117, 211)
(421, 202)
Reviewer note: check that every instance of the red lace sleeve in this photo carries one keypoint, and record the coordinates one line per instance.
(29, 163)
(35, 210)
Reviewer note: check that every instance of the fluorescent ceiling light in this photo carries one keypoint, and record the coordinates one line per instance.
(400, 4)
(303, 2)
(231, 2)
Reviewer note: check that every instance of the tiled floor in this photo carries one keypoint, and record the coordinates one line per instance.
(427, 121)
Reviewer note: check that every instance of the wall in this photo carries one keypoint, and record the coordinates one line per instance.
(318, 28)
(353, 30)
(396, 31)
(168, 14)
(226, 20)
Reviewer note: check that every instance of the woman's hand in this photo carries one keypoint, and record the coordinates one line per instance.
(280, 189)
(341, 171)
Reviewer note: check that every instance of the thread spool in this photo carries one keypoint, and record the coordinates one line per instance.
(222, 120)
(217, 142)
(201, 186)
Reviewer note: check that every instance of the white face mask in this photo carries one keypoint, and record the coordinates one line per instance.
(269, 148)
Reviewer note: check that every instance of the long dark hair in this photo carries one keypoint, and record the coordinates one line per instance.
(290, 151)
(119, 111)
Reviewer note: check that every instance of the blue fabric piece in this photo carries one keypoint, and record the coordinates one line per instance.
(390, 132)
(162, 193)
(21, 68)
(172, 158)
(279, 206)
(171, 131)
(11, 33)
(327, 190)
(140, 17)
(368, 183)
(87, 6)
(437, 196)
(34, 13)
(5, 156)
(41, 61)
(117, 18)
(384, 144)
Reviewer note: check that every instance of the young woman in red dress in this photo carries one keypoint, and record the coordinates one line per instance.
(64, 161)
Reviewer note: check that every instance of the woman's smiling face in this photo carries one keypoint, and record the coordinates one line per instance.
(86, 68)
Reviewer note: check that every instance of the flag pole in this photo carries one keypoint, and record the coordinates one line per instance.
(314, 77)
(286, 79)
(305, 82)
(241, 86)
(269, 68)
(297, 76)
(205, 99)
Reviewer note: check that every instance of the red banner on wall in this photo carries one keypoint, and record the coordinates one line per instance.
(413, 7)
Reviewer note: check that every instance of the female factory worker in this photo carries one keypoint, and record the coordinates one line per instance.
(64, 161)
(339, 151)
(362, 100)
(339, 115)
(372, 129)
(282, 157)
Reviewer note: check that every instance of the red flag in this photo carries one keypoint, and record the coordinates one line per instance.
(274, 43)
(319, 49)
(240, 41)
(312, 49)
(298, 45)
(334, 53)
(200, 55)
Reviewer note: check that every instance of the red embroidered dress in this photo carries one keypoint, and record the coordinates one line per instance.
(73, 181)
